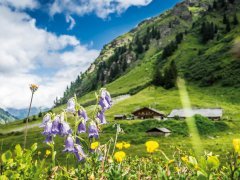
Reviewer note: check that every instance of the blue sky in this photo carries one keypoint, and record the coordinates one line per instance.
(49, 42)
(95, 31)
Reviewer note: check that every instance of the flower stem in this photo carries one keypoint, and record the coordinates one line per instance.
(26, 126)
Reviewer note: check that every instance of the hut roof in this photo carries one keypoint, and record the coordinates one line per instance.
(164, 130)
(208, 112)
(151, 109)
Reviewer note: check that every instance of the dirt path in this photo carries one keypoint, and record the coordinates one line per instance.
(20, 129)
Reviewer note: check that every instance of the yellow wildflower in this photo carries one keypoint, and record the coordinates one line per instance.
(48, 152)
(177, 169)
(119, 146)
(171, 161)
(184, 159)
(126, 145)
(33, 87)
(94, 145)
(119, 156)
(236, 145)
(151, 146)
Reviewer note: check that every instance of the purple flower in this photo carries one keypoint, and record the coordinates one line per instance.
(103, 103)
(82, 127)
(56, 125)
(48, 128)
(64, 128)
(71, 105)
(49, 139)
(93, 131)
(82, 113)
(101, 117)
(106, 95)
(46, 119)
(105, 100)
(69, 144)
(78, 151)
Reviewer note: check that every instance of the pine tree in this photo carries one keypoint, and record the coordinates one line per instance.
(208, 31)
(225, 20)
(124, 64)
(158, 79)
(235, 20)
(170, 76)
(179, 38)
(214, 5)
(228, 26)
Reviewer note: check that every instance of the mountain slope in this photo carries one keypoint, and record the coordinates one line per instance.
(132, 49)
(6, 117)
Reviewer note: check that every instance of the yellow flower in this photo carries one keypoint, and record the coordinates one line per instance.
(151, 146)
(48, 152)
(119, 156)
(33, 87)
(171, 161)
(126, 145)
(236, 145)
(94, 145)
(177, 169)
(119, 146)
(184, 159)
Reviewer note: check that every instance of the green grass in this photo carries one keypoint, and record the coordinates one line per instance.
(164, 100)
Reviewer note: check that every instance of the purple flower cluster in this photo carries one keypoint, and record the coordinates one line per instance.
(93, 131)
(58, 126)
(105, 102)
(71, 147)
(82, 114)
(71, 106)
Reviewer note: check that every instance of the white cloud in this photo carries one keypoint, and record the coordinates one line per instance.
(69, 19)
(20, 4)
(28, 53)
(102, 8)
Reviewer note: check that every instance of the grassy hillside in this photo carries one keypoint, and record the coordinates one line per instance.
(125, 52)
(212, 134)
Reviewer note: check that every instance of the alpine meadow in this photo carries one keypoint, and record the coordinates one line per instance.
(161, 101)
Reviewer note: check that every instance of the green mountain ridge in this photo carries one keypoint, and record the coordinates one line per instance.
(202, 63)
(125, 53)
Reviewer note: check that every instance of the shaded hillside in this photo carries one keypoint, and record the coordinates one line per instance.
(205, 54)
(6, 117)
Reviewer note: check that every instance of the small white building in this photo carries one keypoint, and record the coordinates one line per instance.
(211, 113)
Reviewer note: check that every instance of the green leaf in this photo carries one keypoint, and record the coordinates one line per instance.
(34, 147)
(18, 150)
(193, 160)
(201, 176)
(3, 177)
(213, 162)
(6, 156)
